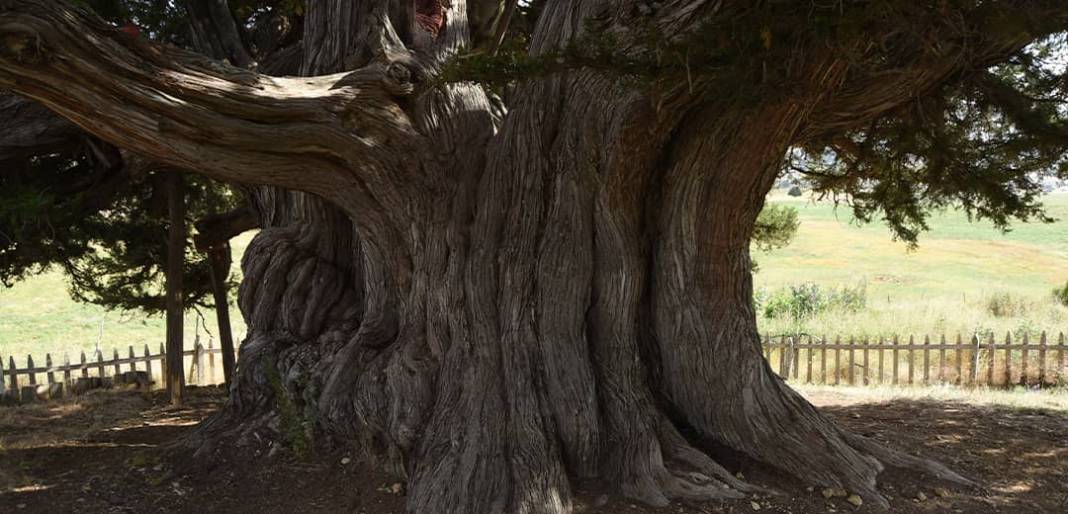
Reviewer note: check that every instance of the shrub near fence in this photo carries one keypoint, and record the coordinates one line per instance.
(965, 362)
(39, 382)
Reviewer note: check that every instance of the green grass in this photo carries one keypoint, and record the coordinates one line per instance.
(945, 285)
(37, 316)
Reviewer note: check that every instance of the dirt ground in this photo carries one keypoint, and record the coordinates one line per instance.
(107, 452)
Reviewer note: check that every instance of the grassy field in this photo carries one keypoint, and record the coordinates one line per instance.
(945, 285)
(37, 316)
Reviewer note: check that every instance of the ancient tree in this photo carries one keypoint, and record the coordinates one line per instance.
(499, 272)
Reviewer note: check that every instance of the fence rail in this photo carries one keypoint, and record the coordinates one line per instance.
(973, 362)
(11, 385)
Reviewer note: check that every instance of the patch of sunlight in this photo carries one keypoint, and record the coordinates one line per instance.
(1018, 487)
(32, 488)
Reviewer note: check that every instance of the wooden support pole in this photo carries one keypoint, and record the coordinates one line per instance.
(175, 185)
(66, 371)
(133, 358)
(960, 362)
(84, 367)
(30, 366)
(882, 359)
(837, 360)
(99, 363)
(220, 271)
(115, 361)
(866, 362)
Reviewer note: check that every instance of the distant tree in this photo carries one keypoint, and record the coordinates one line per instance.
(794, 191)
(775, 227)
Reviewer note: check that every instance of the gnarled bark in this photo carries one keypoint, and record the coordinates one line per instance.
(490, 303)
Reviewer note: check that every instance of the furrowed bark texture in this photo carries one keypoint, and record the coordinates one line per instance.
(488, 303)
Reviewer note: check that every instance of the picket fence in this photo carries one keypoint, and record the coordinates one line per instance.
(803, 358)
(68, 372)
(970, 362)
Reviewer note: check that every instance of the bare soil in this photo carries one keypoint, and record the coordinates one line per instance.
(110, 452)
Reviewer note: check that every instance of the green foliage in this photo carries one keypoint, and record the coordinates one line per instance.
(1061, 294)
(794, 191)
(803, 301)
(776, 226)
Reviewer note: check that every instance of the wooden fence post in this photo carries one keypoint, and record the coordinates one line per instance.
(14, 383)
(50, 374)
(115, 361)
(1060, 357)
(99, 363)
(837, 360)
(975, 360)
(960, 362)
(84, 367)
(29, 370)
(198, 352)
(882, 353)
(3, 386)
(795, 342)
(162, 364)
(1023, 360)
(782, 357)
(211, 360)
(66, 371)
(148, 362)
(942, 359)
(993, 357)
(133, 358)
(1008, 359)
(912, 355)
(866, 362)
(1042, 344)
(926, 360)
(895, 358)
(808, 365)
(852, 360)
(823, 359)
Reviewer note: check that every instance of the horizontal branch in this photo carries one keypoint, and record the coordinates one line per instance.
(334, 135)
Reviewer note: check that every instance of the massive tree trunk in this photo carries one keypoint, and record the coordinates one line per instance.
(490, 303)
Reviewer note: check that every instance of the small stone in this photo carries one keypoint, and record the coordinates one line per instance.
(921, 497)
(855, 500)
(941, 491)
(810, 489)
(754, 505)
(740, 475)
(396, 488)
(345, 461)
(832, 492)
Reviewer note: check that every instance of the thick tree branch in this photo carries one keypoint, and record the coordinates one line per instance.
(326, 135)
(217, 230)
(916, 64)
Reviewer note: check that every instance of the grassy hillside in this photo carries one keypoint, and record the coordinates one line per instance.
(947, 284)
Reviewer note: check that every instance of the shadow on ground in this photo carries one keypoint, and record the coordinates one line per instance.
(108, 453)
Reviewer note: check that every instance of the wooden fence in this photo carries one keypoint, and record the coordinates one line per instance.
(970, 362)
(68, 372)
